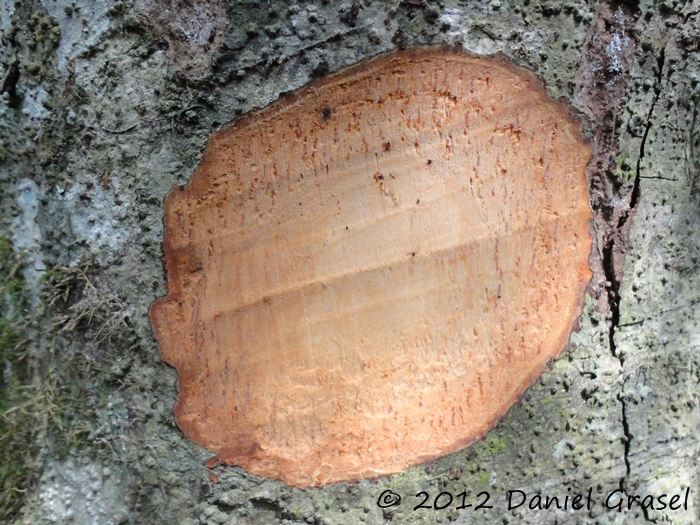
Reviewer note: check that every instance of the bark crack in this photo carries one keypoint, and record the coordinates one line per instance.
(613, 280)
(614, 200)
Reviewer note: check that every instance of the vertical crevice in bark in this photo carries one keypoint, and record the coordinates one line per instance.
(623, 225)
(605, 78)
(657, 93)
(621, 231)
(604, 84)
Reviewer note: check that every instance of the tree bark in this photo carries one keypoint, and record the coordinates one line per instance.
(106, 105)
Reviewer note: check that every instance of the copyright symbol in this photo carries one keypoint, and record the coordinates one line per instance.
(388, 499)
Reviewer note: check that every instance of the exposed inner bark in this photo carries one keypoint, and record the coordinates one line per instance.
(367, 273)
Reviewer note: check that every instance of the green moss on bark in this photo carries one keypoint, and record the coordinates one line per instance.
(15, 448)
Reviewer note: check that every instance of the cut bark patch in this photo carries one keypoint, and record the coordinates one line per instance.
(367, 273)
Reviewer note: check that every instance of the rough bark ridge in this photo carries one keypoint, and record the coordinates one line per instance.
(105, 105)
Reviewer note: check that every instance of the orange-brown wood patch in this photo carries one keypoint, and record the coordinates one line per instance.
(367, 273)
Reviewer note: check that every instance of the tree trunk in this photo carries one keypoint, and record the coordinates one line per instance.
(106, 105)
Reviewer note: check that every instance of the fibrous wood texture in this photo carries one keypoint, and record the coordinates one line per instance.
(367, 273)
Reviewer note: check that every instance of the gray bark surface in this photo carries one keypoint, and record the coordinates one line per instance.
(106, 105)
